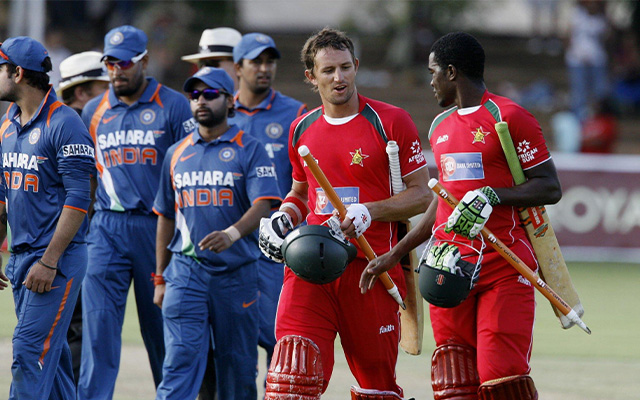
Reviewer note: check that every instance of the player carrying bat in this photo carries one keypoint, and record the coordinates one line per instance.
(484, 344)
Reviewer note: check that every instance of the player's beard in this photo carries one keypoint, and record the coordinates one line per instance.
(209, 118)
(132, 86)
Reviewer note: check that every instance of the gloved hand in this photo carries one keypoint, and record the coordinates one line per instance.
(444, 256)
(360, 216)
(272, 233)
(472, 212)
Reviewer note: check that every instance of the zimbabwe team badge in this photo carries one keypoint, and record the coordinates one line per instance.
(358, 157)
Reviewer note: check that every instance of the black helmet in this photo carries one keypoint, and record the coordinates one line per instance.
(441, 287)
(317, 254)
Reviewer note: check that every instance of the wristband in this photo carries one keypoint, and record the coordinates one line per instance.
(233, 233)
(157, 279)
(45, 265)
(493, 198)
(298, 206)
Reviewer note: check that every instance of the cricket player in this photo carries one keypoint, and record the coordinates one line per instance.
(491, 331)
(47, 159)
(347, 136)
(215, 186)
(266, 115)
(83, 77)
(132, 124)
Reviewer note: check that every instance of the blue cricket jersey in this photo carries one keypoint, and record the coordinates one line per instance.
(269, 124)
(131, 143)
(46, 166)
(207, 186)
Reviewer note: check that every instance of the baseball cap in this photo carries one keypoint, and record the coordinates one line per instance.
(217, 42)
(24, 52)
(80, 68)
(251, 45)
(124, 43)
(215, 78)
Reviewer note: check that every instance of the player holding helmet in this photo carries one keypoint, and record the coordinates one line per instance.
(492, 329)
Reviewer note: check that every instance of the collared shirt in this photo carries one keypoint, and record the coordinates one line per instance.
(46, 166)
(131, 142)
(269, 123)
(208, 186)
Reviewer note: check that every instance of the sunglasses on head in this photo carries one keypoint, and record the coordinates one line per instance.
(209, 94)
(124, 64)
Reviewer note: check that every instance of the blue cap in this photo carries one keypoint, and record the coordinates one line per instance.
(24, 52)
(215, 78)
(124, 43)
(251, 45)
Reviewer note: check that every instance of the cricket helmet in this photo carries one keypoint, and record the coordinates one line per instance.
(317, 253)
(448, 287)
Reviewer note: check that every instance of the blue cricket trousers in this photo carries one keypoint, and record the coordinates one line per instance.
(121, 250)
(41, 366)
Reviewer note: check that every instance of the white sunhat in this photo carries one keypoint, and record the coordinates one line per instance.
(217, 42)
(80, 68)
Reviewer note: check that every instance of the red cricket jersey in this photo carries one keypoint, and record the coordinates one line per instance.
(469, 156)
(353, 157)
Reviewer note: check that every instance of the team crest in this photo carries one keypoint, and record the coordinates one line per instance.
(147, 116)
(479, 135)
(358, 157)
(117, 38)
(262, 39)
(34, 135)
(227, 154)
(274, 130)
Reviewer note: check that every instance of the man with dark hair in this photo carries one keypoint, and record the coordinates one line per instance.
(83, 78)
(266, 115)
(215, 186)
(133, 124)
(348, 136)
(47, 158)
(483, 344)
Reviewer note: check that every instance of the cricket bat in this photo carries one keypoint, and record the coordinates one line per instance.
(411, 319)
(553, 269)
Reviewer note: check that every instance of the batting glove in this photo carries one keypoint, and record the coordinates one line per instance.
(272, 233)
(444, 256)
(360, 216)
(472, 212)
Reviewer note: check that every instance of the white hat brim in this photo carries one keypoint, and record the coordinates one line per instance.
(64, 85)
(194, 58)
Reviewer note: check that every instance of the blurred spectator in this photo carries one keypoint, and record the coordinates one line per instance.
(599, 132)
(586, 56)
(55, 44)
(626, 69)
(566, 128)
(544, 19)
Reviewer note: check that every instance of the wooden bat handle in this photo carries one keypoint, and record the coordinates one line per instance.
(339, 205)
(515, 261)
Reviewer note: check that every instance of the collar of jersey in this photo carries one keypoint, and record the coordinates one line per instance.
(13, 112)
(146, 97)
(228, 136)
(265, 105)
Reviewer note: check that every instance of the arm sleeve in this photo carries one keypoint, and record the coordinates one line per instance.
(164, 203)
(76, 160)
(404, 131)
(261, 175)
(296, 164)
(527, 138)
(182, 121)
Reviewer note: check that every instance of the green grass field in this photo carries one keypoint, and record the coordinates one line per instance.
(566, 364)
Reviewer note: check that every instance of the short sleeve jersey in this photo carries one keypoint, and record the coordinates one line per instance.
(46, 166)
(131, 142)
(469, 156)
(208, 186)
(353, 157)
(269, 123)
